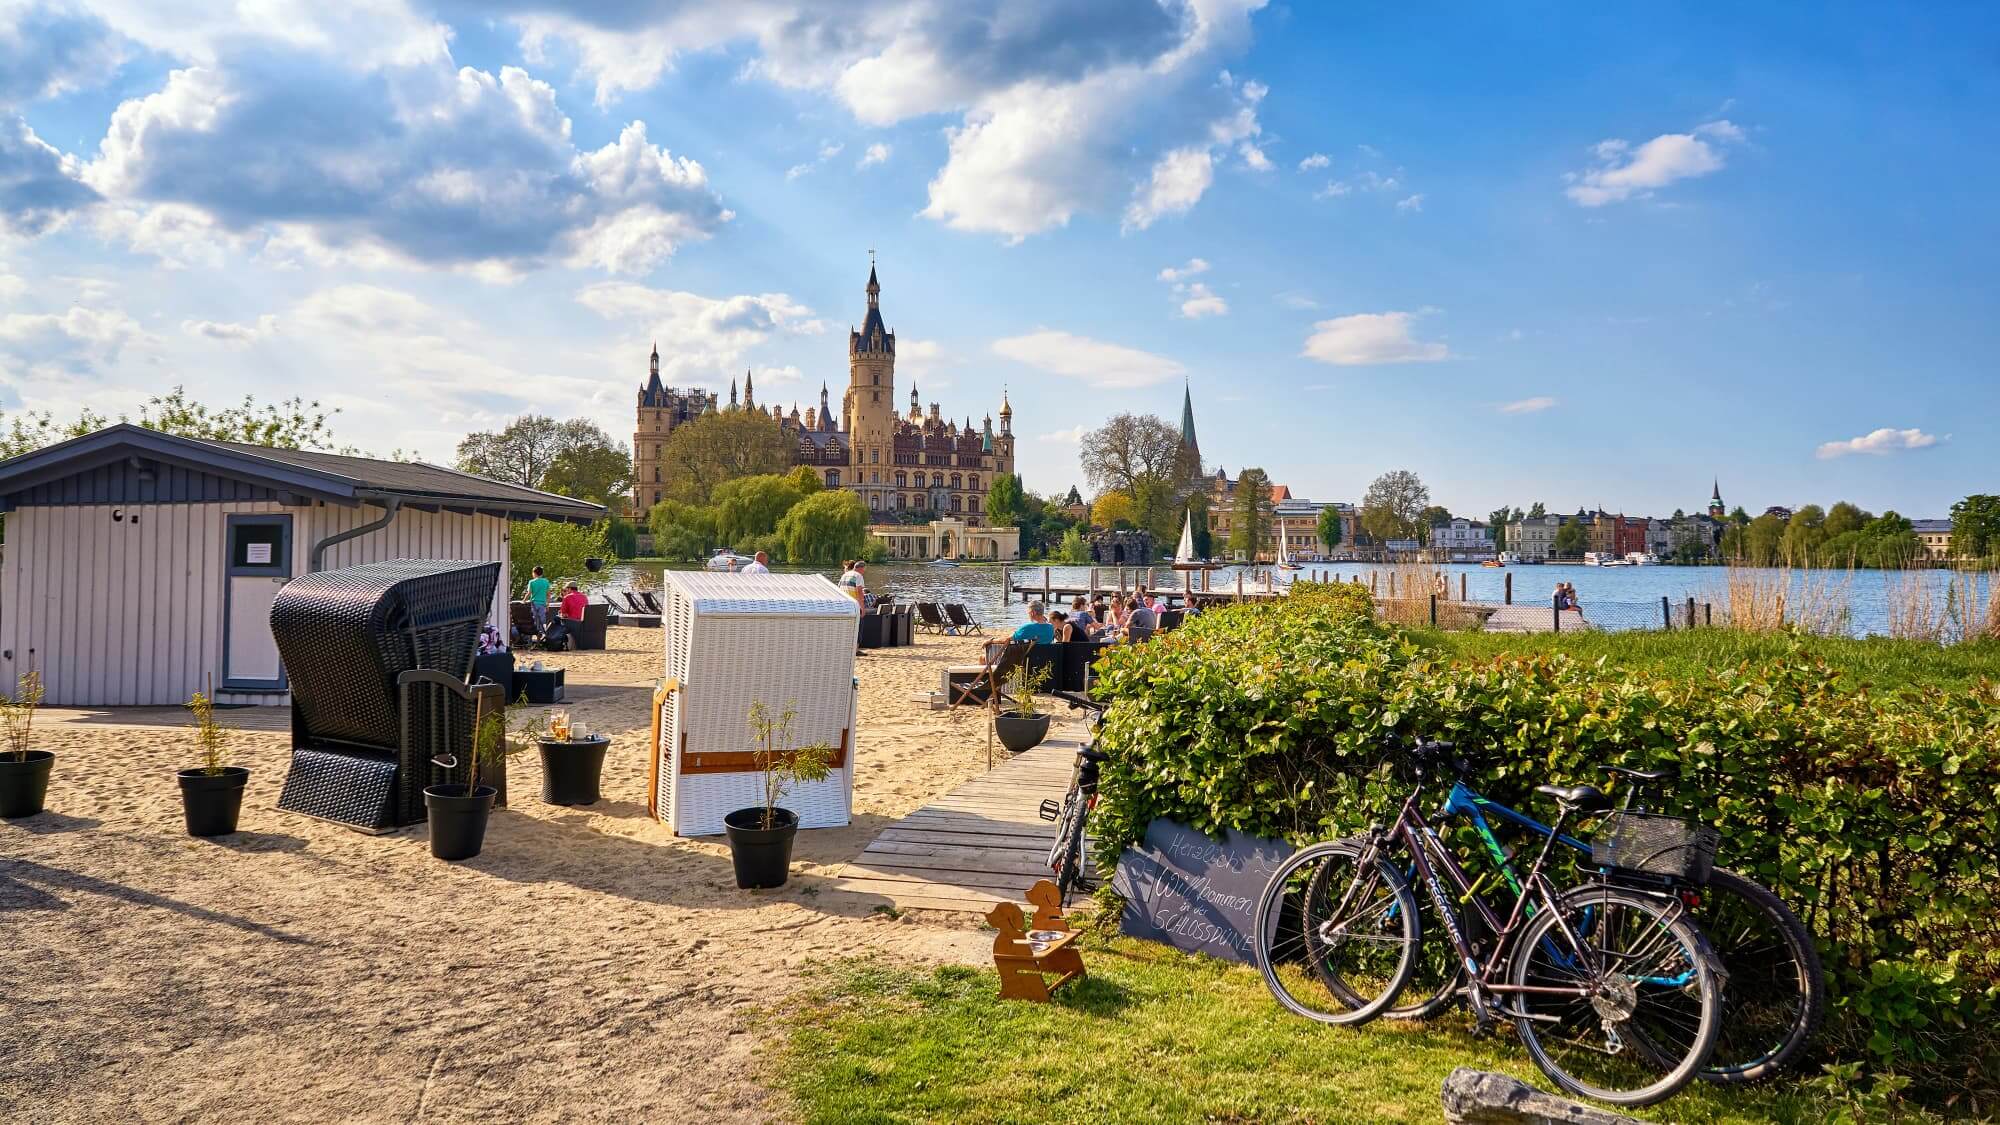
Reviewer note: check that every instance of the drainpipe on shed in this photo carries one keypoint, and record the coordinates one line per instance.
(390, 504)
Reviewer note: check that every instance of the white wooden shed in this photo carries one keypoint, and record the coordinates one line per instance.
(139, 565)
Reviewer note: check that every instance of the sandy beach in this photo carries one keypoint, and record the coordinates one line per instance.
(589, 965)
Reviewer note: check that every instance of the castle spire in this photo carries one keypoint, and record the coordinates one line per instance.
(749, 397)
(732, 394)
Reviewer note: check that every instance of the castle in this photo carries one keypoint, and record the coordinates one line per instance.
(907, 468)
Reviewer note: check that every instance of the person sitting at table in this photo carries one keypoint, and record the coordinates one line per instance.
(1140, 620)
(573, 601)
(1036, 628)
(1059, 621)
(1081, 622)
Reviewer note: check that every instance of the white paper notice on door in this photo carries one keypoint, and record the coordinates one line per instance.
(257, 554)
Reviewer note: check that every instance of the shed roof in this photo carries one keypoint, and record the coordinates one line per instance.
(303, 473)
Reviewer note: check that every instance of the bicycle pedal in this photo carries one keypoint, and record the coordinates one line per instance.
(1050, 810)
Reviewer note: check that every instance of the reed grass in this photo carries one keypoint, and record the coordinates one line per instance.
(1778, 599)
(1966, 608)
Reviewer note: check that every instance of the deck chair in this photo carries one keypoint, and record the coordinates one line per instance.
(963, 620)
(633, 603)
(967, 681)
(929, 620)
(652, 603)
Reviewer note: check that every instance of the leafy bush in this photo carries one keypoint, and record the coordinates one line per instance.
(1876, 814)
(559, 548)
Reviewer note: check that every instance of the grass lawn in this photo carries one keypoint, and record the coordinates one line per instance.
(1876, 661)
(1150, 1035)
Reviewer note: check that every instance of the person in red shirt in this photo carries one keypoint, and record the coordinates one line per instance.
(573, 602)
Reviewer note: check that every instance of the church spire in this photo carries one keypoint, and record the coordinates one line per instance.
(1187, 421)
(749, 396)
(732, 394)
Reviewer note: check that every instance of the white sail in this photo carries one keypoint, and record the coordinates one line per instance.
(1284, 557)
(1185, 552)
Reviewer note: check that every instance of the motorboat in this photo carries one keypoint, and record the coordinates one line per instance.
(1603, 558)
(1642, 558)
(726, 559)
(1491, 562)
(1510, 558)
(942, 562)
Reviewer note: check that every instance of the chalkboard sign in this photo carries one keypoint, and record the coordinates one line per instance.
(1193, 892)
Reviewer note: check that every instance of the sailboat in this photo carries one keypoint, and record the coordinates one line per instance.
(1184, 556)
(1284, 556)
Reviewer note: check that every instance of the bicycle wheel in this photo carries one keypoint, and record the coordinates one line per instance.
(1066, 856)
(1630, 1001)
(1775, 995)
(1336, 945)
(1437, 975)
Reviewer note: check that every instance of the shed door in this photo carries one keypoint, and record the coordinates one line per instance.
(260, 563)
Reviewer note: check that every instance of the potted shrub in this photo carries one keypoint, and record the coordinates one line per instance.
(760, 837)
(211, 793)
(24, 772)
(572, 762)
(593, 565)
(1024, 726)
(458, 813)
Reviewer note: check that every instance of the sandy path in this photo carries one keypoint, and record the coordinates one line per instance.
(587, 966)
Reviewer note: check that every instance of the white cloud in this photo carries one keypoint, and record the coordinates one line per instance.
(231, 333)
(1878, 442)
(1198, 301)
(1316, 160)
(1071, 436)
(1178, 273)
(1533, 405)
(1254, 157)
(709, 337)
(1093, 361)
(11, 286)
(827, 151)
(1623, 172)
(80, 341)
(1175, 186)
(1370, 338)
(1297, 301)
(877, 153)
(1334, 190)
(1411, 203)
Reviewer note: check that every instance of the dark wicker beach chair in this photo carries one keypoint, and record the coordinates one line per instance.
(930, 619)
(963, 620)
(377, 656)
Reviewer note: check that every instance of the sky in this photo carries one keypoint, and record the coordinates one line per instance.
(1587, 256)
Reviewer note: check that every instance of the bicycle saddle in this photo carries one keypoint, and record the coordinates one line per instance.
(1577, 798)
(1635, 775)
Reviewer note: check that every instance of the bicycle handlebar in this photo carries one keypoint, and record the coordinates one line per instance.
(1082, 702)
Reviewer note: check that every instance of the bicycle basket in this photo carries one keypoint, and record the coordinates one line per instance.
(1655, 845)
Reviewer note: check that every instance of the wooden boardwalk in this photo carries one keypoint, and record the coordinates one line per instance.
(976, 845)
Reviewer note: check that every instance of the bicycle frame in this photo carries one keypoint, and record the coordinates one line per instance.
(1431, 858)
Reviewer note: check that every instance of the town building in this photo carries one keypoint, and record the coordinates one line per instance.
(913, 468)
(1534, 537)
(1461, 540)
(1935, 535)
(1222, 511)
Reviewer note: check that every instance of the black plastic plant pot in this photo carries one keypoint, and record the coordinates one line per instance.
(458, 821)
(211, 802)
(763, 856)
(24, 785)
(1020, 732)
(571, 770)
(593, 565)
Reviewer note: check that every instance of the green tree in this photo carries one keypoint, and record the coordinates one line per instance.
(1394, 506)
(805, 480)
(825, 528)
(1891, 542)
(1006, 501)
(1110, 509)
(1436, 515)
(620, 537)
(292, 423)
(557, 546)
(683, 531)
(594, 470)
(1329, 529)
(524, 451)
(1763, 539)
(1074, 550)
(1537, 511)
(1498, 522)
(1251, 516)
(701, 454)
(1975, 527)
(1572, 539)
(1843, 518)
(1805, 534)
(748, 507)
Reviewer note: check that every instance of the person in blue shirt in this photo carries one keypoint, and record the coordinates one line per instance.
(1037, 628)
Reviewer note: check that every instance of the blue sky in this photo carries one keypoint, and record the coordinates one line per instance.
(1582, 256)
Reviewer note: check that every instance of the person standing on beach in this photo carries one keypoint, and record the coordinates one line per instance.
(538, 599)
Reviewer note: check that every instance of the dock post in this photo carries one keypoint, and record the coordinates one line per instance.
(1092, 592)
(1150, 580)
(1434, 611)
(1045, 586)
(1690, 623)
(1510, 588)
(1666, 614)
(1392, 585)
(1461, 586)
(1557, 606)
(1374, 583)
(1006, 583)
(1239, 586)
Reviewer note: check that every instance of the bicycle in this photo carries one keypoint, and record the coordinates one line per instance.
(1776, 998)
(1066, 856)
(1612, 989)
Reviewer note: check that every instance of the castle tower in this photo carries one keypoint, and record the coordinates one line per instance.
(869, 405)
(1003, 442)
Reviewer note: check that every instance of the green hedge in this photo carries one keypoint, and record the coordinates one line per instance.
(1877, 815)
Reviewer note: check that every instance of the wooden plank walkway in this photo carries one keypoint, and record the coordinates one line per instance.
(978, 844)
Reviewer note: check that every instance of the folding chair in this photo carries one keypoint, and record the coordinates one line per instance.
(963, 620)
(929, 620)
(966, 680)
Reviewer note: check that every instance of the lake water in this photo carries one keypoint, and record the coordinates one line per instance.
(1613, 597)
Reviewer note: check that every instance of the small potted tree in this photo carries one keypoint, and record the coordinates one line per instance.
(760, 837)
(572, 761)
(1024, 726)
(458, 813)
(211, 793)
(24, 772)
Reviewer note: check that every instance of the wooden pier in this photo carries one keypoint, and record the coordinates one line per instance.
(1172, 586)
